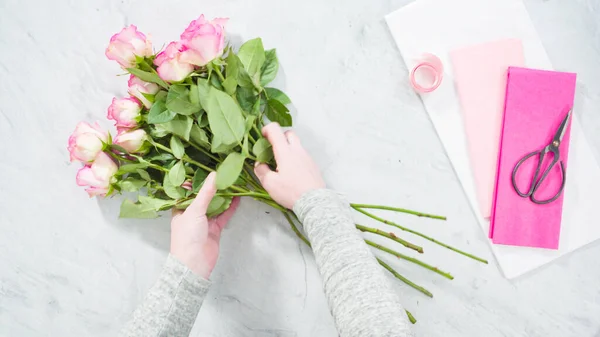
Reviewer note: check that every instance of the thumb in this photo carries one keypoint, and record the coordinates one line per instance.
(204, 196)
(263, 172)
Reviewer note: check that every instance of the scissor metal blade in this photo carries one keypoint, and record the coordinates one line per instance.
(560, 132)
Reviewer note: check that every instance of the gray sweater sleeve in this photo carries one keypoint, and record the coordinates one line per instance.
(171, 306)
(360, 297)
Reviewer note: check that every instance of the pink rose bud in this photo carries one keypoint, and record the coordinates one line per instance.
(132, 141)
(86, 142)
(97, 176)
(137, 87)
(204, 40)
(187, 185)
(170, 66)
(125, 112)
(125, 45)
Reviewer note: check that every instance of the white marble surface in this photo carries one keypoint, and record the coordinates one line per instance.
(69, 267)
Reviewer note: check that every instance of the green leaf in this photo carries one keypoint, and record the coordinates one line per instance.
(155, 204)
(217, 147)
(279, 95)
(269, 69)
(173, 191)
(249, 123)
(218, 205)
(246, 97)
(229, 170)
(256, 108)
(263, 150)
(178, 100)
(215, 82)
(159, 113)
(149, 97)
(129, 209)
(233, 66)
(184, 204)
(162, 157)
(194, 98)
(129, 168)
(203, 91)
(198, 180)
(277, 112)
(199, 137)
(245, 150)
(130, 184)
(177, 174)
(230, 84)
(225, 119)
(252, 55)
(177, 147)
(180, 125)
(148, 77)
(203, 121)
(143, 174)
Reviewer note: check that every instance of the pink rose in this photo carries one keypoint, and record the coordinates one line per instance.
(126, 44)
(204, 41)
(86, 142)
(187, 185)
(137, 87)
(97, 176)
(125, 112)
(132, 141)
(170, 66)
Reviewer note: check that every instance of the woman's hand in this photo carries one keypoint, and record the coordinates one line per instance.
(194, 237)
(296, 172)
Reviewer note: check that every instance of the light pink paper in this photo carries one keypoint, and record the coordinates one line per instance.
(536, 103)
(480, 79)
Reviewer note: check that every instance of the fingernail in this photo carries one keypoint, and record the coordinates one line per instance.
(256, 163)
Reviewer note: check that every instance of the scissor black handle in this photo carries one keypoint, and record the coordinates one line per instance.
(535, 183)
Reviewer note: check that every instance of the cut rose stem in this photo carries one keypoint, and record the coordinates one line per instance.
(410, 316)
(411, 259)
(404, 279)
(390, 236)
(387, 222)
(401, 210)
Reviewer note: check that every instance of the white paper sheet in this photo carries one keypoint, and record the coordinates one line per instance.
(439, 26)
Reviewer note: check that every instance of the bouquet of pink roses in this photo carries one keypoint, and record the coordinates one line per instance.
(193, 108)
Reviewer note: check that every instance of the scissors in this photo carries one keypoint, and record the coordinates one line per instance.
(550, 148)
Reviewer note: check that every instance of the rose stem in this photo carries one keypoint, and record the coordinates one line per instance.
(401, 210)
(404, 279)
(411, 318)
(408, 258)
(390, 236)
(419, 234)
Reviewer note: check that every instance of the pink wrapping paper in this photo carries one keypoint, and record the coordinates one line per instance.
(536, 103)
(480, 78)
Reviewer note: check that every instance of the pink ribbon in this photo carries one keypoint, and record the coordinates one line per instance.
(431, 66)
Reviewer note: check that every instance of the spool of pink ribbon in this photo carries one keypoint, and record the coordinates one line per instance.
(427, 74)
